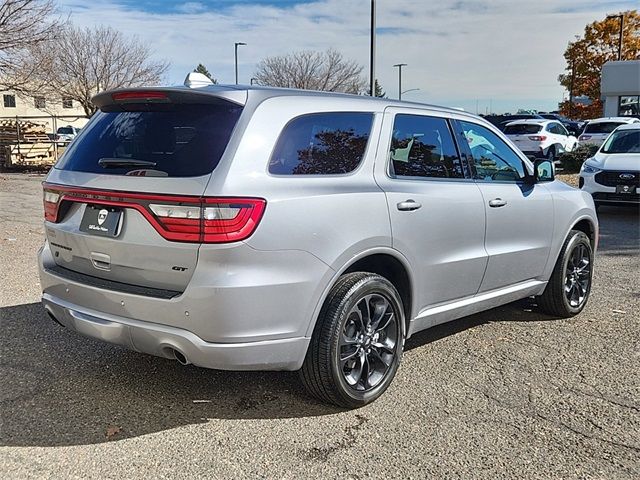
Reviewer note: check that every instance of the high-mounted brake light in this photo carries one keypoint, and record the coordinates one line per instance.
(538, 138)
(140, 96)
(176, 218)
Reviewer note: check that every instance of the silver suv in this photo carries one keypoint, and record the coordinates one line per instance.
(248, 228)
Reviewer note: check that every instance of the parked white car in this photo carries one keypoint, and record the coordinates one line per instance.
(541, 138)
(612, 175)
(596, 131)
(66, 134)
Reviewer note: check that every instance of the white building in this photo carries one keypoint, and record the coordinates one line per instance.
(54, 114)
(620, 88)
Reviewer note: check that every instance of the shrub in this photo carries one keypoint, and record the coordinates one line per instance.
(573, 160)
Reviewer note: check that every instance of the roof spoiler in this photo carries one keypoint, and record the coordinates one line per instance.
(208, 94)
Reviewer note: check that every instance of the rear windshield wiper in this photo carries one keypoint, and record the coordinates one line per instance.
(124, 162)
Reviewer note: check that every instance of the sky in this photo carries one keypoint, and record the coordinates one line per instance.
(483, 56)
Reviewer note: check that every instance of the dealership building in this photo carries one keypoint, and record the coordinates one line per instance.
(620, 88)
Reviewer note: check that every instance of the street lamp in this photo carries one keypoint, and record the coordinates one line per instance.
(372, 51)
(410, 90)
(236, 56)
(400, 65)
(621, 17)
(573, 77)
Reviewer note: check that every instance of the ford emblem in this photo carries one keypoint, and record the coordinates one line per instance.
(627, 176)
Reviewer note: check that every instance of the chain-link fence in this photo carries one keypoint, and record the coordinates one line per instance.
(38, 140)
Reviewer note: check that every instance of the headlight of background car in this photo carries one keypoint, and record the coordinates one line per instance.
(589, 168)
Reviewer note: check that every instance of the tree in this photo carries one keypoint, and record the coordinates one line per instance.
(586, 56)
(24, 24)
(81, 62)
(203, 70)
(378, 91)
(311, 70)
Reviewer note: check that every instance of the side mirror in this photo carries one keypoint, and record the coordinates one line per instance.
(543, 170)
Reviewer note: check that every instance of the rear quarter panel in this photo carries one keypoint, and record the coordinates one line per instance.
(332, 217)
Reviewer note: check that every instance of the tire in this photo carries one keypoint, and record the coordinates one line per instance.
(340, 334)
(574, 271)
(551, 153)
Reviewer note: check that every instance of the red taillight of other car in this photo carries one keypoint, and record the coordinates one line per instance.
(538, 138)
(176, 218)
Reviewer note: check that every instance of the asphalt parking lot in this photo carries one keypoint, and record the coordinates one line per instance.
(508, 393)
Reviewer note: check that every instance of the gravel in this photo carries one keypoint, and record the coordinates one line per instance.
(509, 393)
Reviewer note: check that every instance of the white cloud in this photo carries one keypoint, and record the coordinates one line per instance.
(191, 7)
(456, 51)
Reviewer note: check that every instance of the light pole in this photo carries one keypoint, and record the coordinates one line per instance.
(372, 51)
(236, 56)
(621, 17)
(573, 76)
(400, 65)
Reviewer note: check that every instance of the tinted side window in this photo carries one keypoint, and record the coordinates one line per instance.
(322, 144)
(423, 147)
(562, 130)
(493, 160)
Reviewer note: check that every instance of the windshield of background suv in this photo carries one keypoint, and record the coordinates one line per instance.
(522, 129)
(623, 141)
(604, 127)
(176, 140)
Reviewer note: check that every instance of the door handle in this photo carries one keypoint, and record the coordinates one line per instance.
(497, 202)
(408, 205)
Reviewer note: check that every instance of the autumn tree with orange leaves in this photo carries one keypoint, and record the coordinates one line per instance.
(587, 55)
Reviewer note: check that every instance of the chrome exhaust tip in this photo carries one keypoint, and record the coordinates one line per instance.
(179, 356)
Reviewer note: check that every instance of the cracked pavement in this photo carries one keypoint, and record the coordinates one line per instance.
(509, 393)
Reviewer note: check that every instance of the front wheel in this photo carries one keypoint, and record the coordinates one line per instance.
(357, 343)
(568, 289)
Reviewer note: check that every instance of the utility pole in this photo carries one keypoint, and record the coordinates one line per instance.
(372, 51)
(400, 65)
(236, 57)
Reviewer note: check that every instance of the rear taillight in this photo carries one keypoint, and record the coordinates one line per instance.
(538, 138)
(584, 137)
(176, 218)
(230, 220)
(51, 201)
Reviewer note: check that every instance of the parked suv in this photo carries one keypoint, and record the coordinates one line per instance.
(66, 134)
(612, 175)
(541, 138)
(596, 131)
(248, 228)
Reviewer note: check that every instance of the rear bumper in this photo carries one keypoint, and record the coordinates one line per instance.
(243, 309)
(164, 341)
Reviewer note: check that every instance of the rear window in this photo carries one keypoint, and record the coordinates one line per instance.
(65, 130)
(322, 144)
(177, 140)
(522, 129)
(604, 127)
